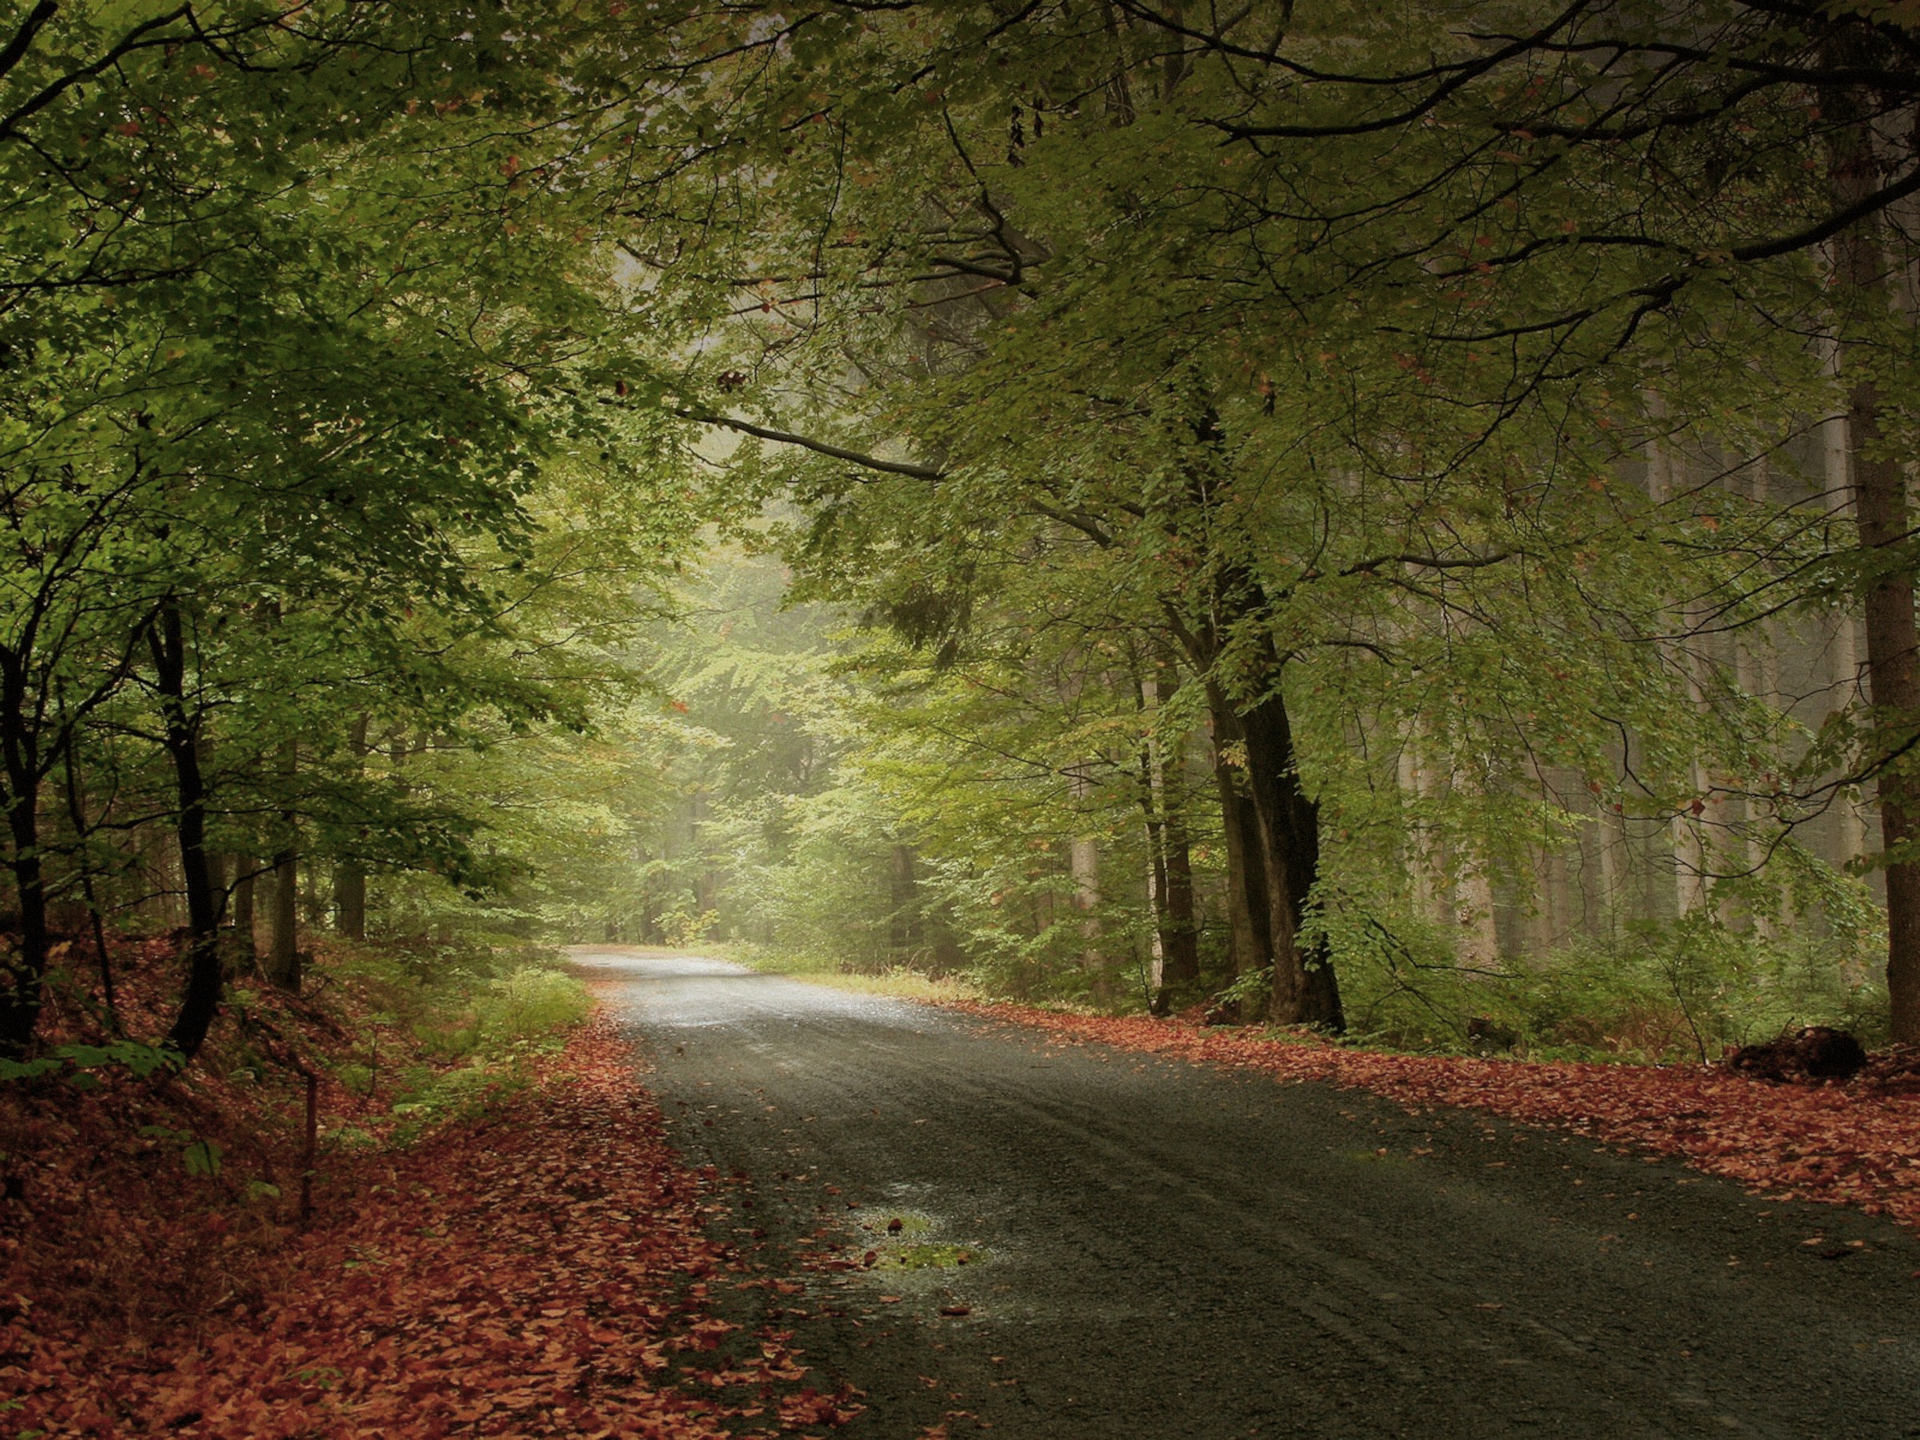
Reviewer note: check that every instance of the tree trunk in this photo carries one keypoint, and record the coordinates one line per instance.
(350, 899)
(1180, 935)
(1893, 687)
(1879, 487)
(200, 998)
(904, 929)
(244, 867)
(1083, 862)
(23, 972)
(1304, 988)
(1248, 935)
(1176, 942)
(283, 954)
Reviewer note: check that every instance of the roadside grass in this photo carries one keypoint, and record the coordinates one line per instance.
(898, 982)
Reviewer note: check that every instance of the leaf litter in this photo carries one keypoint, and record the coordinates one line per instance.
(543, 1268)
(1855, 1143)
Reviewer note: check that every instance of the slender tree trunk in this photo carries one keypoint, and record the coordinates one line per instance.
(1176, 942)
(1180, 936)
(904, 930)
(1083, 862)
(200, 998)
(90, 893)
(244, 867)
(283, 953)
(23, 971)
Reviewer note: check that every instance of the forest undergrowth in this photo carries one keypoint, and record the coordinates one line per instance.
(495, 1238)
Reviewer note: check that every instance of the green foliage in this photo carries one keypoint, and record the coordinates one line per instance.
(1675, 992)
(79, 1063)
(303, 356)
(529, 1004)
(199, 1156)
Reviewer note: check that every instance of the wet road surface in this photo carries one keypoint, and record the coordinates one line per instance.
(1131, 1247)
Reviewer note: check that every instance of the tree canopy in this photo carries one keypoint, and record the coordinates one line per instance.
(1283, 481)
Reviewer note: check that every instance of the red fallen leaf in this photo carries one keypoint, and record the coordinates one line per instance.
(956, 1309)
(1846, 1144)
(492, 1316)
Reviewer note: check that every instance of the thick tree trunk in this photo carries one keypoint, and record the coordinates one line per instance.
(1282, 845)
(1863, 299)
(1894, 688)
(350, 900)
(1304, 988)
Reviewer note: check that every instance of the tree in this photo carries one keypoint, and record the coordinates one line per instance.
(1342, 336)
(301, 311)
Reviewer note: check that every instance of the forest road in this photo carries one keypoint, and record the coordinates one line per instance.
(1159, 1250)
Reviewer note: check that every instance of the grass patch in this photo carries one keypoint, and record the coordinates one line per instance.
(444, 1031)
(900, 982)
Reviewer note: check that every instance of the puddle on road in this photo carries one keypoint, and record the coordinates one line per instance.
(908, 1241)
(901, 1240)
(896, 1255)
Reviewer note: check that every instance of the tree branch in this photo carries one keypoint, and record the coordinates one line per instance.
(819, 447)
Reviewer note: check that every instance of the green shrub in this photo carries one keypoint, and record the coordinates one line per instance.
(1674, 991)
(530, 1004)
(450, 1039)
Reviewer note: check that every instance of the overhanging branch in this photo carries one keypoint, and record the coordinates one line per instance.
(819, 447)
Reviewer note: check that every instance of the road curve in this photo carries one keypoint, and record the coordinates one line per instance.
(1159, 1250)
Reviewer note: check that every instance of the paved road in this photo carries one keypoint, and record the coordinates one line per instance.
(1156, 1250)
